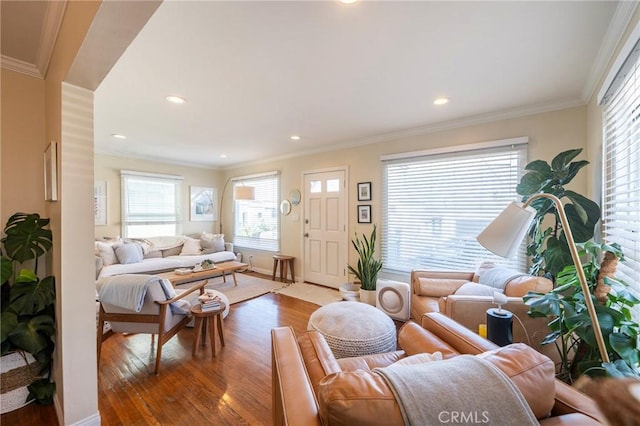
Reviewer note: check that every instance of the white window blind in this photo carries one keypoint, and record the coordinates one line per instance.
(257, 222)
(150, 204)
(621, 168)
(434, 206)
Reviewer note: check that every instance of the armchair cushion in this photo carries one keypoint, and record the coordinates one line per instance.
(437, 287)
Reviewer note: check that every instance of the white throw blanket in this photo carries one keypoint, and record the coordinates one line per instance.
(498, 277)
(461, 390)
(125, 291)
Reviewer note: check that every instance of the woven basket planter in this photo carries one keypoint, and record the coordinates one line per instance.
(15, 376)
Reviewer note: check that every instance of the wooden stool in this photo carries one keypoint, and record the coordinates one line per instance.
(285, 262)
(208, 320)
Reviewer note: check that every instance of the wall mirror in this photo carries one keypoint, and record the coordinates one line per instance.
(285, 207)
(295, 196)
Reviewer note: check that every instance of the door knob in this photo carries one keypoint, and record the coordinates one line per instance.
(306, 235)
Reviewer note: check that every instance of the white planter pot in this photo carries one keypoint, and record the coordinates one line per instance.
(368, 297)
(15, 376)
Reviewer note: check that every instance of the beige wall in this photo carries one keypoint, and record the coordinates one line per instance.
(23, 143)
(108, 168)
(549, 133)
(76, 394)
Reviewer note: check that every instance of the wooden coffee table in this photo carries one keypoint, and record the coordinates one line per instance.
(222, 267)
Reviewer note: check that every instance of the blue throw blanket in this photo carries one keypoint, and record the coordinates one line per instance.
(125, 291)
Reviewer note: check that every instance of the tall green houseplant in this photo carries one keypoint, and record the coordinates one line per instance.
(368, 267)
(28, 302)
(548, 248)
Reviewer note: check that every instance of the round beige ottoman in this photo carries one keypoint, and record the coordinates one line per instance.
(354, 329)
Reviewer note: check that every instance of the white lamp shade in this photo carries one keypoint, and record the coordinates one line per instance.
(244, 192)
(505, 233)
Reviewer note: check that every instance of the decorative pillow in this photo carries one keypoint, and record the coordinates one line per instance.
(438, 287)
(128, 253)
(191, 247)
(510, 281)
(211, 243)
(173, 251)
(473, 289)
(106, 252)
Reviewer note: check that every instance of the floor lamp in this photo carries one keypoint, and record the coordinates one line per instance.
(240, 192)
(506, 232)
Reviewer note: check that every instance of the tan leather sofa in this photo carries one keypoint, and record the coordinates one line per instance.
(433, 291)
(312, 387)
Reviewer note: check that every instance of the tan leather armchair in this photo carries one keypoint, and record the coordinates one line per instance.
(433, 291)
(304, 371)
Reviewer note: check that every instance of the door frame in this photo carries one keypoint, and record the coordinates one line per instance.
(344, 169)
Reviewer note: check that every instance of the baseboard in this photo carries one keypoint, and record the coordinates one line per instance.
(267, 272)
(92, 420)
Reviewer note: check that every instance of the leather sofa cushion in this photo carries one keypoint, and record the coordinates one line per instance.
(364, 398)
(532, 372)
(436, 287)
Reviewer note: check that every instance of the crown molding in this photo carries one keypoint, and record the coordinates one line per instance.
(49, 34)
(21, 66)
(619, 23)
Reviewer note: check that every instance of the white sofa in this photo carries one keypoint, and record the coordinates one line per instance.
(160, 254)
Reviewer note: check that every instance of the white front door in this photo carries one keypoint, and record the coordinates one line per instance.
(325, 227)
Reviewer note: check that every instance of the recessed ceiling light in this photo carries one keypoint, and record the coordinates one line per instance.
(441, 101)
(175, 99)
(295, 138)
(347, 1)
(223, 155)
(118, 136)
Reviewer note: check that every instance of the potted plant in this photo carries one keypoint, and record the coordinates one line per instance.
(28, 307)
(368, 267)
(548, 248)
(571, 327)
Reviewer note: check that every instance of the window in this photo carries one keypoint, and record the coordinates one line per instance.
(257, 222)
(150, 204)
(621, 167)
(436, 203)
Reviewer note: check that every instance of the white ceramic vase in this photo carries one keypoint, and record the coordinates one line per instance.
(368, 296)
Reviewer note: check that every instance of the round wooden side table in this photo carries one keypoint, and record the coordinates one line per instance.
(207, 320)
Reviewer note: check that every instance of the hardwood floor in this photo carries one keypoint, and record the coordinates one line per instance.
(234, 388)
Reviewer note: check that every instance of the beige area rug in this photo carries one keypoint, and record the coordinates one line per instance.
(248, 287)
(311, 293)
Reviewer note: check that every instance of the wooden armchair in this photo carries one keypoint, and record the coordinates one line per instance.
(155, 317)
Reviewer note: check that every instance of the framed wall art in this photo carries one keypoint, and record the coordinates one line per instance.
(203, 203)
(364, 213)
(364, 191)
(100, 202)
(51, 172)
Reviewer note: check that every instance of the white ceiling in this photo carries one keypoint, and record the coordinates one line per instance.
(255, 73)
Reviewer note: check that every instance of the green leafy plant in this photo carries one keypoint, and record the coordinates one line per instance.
(368, 267)
(548, 247)
(28, 302)
(571, 327)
